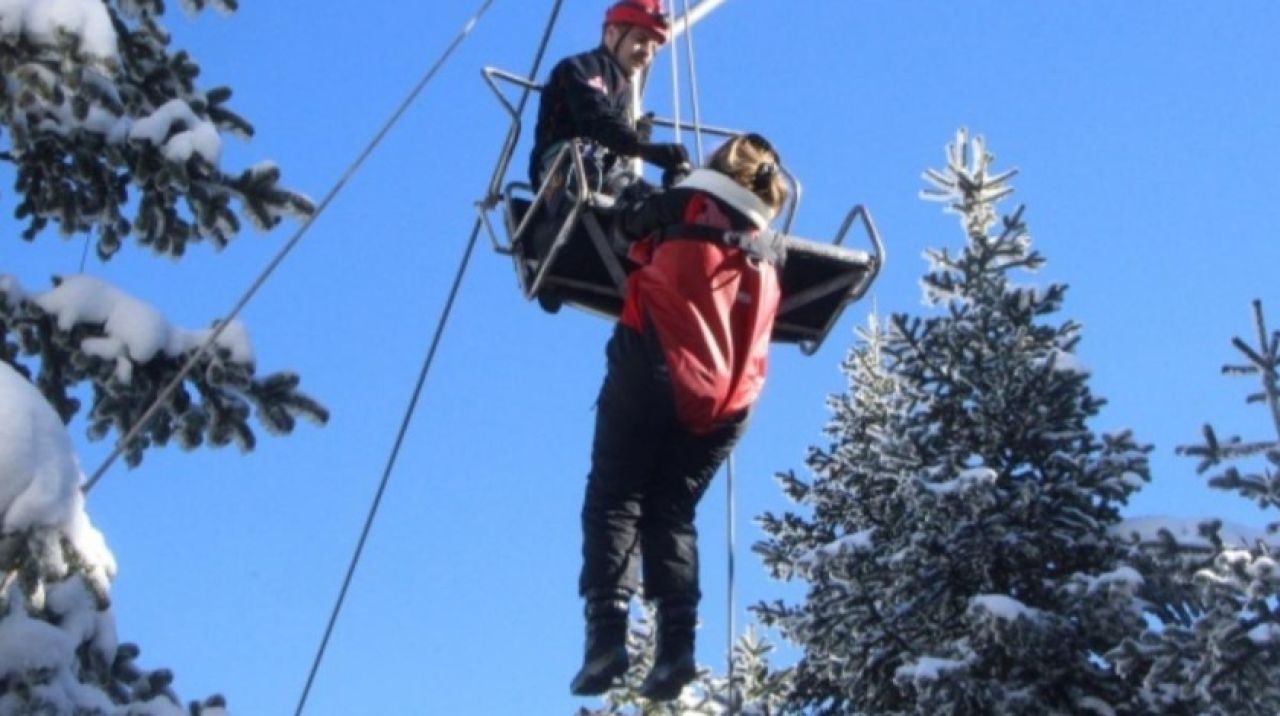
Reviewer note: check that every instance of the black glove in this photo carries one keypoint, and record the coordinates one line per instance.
(674, 175)
(635, 194)
(667, 156)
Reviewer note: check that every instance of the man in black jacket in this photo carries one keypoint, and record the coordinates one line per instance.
(589, 97)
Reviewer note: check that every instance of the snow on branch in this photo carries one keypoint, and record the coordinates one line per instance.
(133, 331)
(97, 107)
(86, 23)
(85, 330)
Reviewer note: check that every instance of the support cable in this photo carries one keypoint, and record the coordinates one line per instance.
(730, 517)
(417, 389)
(693, 84)
(675, 87)
(387, 470)
(284, 251)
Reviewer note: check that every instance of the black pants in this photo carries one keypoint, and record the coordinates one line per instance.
(647, 475)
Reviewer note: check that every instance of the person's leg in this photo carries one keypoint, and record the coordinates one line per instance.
(669, 541)
(621, 466)
(545, 225)
(687, 464)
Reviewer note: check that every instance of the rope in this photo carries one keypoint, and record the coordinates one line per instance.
(386, 472)
(417, 391)
(283, 252)
(693, 83)
(730, 518)
(675, 89)
(732, 540)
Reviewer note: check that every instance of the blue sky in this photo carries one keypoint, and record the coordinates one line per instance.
(1146, 134)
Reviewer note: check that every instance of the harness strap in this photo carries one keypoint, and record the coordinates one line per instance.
(762, 245)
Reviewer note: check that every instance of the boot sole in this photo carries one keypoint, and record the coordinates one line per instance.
(669, 689)
(599, 683)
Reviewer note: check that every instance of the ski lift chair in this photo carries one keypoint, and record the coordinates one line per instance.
(585, 266)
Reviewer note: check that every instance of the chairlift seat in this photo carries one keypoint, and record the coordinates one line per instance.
(578, 275)
(817, 279)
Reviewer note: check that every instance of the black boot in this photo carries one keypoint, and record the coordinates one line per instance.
(673, 664)
(606, 652)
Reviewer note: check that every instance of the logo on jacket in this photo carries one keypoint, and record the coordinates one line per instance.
(597, 83)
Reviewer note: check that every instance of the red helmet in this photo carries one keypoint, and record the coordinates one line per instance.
(640, 13)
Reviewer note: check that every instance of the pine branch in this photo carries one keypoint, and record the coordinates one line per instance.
(1268, 364)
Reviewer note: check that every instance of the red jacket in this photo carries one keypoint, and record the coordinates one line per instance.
(712, 306)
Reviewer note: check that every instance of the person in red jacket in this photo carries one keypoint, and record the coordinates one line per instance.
(686, 362)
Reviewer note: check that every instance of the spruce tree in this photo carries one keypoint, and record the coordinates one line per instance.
(1213, 592)
(954, 537)
(108, 134)
(108, 137)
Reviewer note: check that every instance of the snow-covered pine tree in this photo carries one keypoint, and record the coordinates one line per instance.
(954, 536)
(108, 134)
(59, 652)
(1214, 591)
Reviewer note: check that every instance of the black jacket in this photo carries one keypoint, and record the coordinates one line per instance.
(587, 96)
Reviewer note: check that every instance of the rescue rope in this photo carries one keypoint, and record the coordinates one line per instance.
(675, 91)
(730, 520)
(419, 384)
(693, 84)
(284, 251)
(730, 517)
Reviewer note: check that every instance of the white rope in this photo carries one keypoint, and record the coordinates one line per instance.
(730, 520)
(685, 27)
(675, 88)
(693, 86)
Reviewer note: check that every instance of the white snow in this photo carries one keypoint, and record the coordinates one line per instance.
(39, 490)
(11, 290)
(1263, 567)
(929, 668)
(1093, 704)
(1265, 634)
(1002, 607)
(72, 601)
(41, 21)
(39, 473)
(38, 470)
(1186, 532)
(198, 136)
(27, 643)
(44, 22)
(968, 478)
(135, 331)
(850, 543)
(1125, 579)
(1065, 361)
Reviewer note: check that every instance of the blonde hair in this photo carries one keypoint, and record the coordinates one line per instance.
(753, 163)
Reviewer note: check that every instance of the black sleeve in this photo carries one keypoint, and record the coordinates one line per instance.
(665, 208)
(597, 117)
